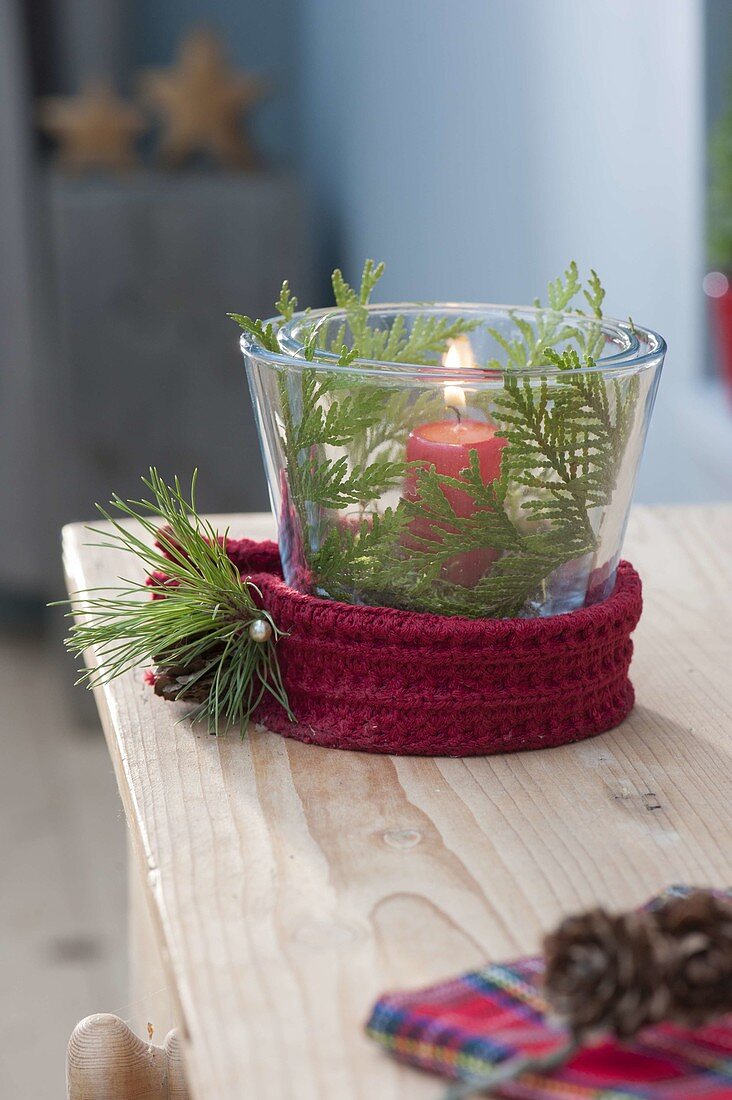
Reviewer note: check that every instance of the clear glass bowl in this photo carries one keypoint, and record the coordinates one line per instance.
(455, 465)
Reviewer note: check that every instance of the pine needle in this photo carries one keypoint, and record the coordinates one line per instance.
(200, 622)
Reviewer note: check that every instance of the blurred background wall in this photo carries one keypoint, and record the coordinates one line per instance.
(477, 146)
(513, 137)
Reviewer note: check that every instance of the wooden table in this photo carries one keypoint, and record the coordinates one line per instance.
(289, 885)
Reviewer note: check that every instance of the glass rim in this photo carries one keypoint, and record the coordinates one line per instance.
(642, 346)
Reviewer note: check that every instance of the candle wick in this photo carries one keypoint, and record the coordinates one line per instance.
(456, 410)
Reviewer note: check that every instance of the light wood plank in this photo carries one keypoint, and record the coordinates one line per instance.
(292, 884)
(149, 988)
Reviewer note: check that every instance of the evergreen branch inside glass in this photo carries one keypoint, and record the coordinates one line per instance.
(461, 460)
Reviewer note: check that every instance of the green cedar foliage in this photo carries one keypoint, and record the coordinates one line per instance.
(566, 432)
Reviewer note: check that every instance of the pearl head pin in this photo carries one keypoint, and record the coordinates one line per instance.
(260, 631)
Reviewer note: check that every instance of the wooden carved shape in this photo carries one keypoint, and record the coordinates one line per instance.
(95, 130)
(106, 1061)
(203, 104)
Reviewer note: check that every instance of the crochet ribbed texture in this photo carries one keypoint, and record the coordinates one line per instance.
(381, 680)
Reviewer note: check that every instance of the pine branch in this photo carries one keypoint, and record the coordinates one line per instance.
(197, 628)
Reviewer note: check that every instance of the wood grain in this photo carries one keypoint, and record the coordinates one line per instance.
(292, 884)
(105, 1060)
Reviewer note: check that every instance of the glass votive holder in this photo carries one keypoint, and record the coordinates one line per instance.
(471, 460)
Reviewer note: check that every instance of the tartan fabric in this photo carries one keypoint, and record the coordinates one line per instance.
(466, 1026)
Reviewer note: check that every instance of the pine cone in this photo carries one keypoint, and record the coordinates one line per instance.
(699, 963)
(603, 973)
(171, 681)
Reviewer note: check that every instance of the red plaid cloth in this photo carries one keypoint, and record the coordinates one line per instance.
(465, 1027)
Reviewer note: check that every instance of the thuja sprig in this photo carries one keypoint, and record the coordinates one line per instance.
(418, 343)
(527, 350)
(198, 625)
(336, 409)
(566, 431)
(386, 561)
(265, 333)
(566, 440)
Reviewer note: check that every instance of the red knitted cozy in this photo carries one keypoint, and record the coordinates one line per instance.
(382, 680)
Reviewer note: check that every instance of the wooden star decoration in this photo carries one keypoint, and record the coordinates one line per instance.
(202, 103)
(95, 129)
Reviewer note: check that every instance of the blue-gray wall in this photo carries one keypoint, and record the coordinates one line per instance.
(478, 145)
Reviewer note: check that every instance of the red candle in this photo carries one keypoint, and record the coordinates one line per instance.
(446, 445)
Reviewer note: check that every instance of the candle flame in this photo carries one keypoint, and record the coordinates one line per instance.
(458, 358)
(459, 355)
(454, 397)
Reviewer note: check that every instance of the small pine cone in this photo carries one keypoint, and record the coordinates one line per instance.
(170, 681)
(699, 962)
(172, 688)
(603, 973)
